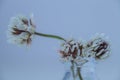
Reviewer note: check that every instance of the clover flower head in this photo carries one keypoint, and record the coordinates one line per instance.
(72, 51)
(98, 47)
(21, 30)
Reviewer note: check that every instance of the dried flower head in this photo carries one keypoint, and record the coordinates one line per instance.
(98, 47)
(21, 30)
(73, 51)
(70, 50)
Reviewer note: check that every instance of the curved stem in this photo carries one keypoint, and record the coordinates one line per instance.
(50, 36)
(79, 73)
(72, 69)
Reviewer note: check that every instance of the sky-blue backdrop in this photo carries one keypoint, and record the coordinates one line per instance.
(67, 18)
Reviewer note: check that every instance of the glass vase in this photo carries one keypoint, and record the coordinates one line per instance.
(86, 71)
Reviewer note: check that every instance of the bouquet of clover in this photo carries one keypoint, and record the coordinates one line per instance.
(81, 57)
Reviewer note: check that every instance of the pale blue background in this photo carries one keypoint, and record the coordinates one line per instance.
(67, 18)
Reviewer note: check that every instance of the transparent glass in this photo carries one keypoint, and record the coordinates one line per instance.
(85, 72)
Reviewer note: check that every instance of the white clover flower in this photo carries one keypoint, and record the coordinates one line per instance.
(98, 47)
(21, 30)
(72, 51)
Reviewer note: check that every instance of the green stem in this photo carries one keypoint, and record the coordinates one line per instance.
(79, 73)
(50, 36)
(72, 69)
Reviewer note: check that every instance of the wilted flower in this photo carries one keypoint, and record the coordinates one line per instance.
(70, 50)
(81, 53)
(98, 48)
(21, 30)
(73, 51)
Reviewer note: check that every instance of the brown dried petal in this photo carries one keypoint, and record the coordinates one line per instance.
(25, 22)
(16, 31)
